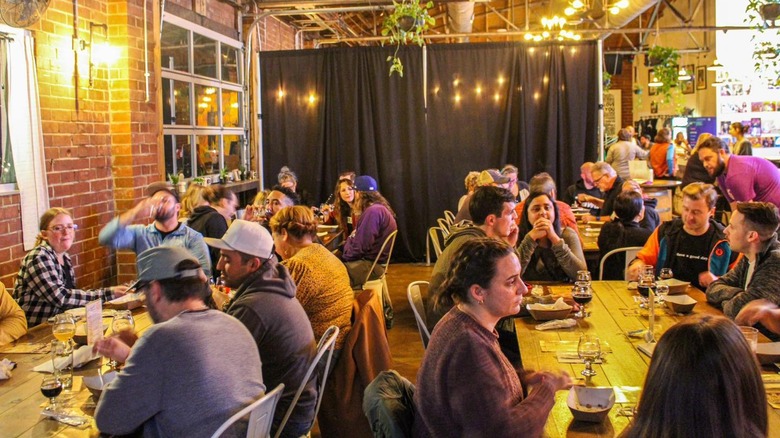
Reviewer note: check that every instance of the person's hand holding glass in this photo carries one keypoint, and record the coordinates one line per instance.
(123, 321)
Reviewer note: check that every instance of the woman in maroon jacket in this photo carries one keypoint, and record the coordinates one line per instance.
(466, 387)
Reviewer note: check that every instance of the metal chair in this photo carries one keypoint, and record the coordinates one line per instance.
(449, 216)
(437, 241)
(445, 226)
(261, 415)
(325, 346)
(416, 303)
(384, 296)
(630, 254)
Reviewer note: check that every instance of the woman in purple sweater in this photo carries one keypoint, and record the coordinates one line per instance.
(466, 387)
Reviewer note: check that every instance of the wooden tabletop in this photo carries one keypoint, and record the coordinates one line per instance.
(662, 184)
(613, 314)
(590, 237)
(21, 401)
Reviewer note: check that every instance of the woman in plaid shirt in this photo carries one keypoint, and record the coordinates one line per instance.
(46, 283)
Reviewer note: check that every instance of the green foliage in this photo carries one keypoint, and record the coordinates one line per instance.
(406, 25)
(665, 70)
(223, 173)
(606, 81)
(766, 53)
(173, 178)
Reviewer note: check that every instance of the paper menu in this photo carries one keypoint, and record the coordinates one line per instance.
(94, 317)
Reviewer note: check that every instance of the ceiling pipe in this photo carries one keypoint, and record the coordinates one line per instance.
(460, 17)
(589, 33)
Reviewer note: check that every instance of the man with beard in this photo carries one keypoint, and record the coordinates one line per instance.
(162, 204)
(189, 372)
(265, 303)
(741, 178)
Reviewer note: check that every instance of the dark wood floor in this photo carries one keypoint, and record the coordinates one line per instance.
(405, 343)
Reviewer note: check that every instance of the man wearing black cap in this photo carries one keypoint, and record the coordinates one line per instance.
(162, 204)
(189, 372)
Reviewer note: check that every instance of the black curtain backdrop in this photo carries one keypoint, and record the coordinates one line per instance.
(329, 110)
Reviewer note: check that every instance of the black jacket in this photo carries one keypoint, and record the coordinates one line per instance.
(210, 223)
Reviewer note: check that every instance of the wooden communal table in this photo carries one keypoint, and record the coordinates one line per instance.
(663, 191)
(21, 401)
(613, 314)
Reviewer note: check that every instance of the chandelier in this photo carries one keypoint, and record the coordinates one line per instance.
(579, 7)
(553, 29)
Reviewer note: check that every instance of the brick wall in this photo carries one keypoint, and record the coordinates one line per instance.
(276, 35)
(11, 250)
(625, 82)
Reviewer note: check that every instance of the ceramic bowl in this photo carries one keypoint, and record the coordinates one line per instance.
(94, 384)
(680, 303)
(768, 352)
(591, 404)
(547, 315)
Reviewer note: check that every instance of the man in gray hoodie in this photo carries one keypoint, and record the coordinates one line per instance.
(265, 303)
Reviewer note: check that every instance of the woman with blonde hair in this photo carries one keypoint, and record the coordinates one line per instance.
(46, 282)
(192, 199)
(471, 184)
(322, 280)
(676, 401)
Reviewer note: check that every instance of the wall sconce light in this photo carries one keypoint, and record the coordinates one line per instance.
(100, 52)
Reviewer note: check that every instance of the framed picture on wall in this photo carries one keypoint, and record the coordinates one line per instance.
(651, 91)
(688, 87)
(653, 107)
(701, 77)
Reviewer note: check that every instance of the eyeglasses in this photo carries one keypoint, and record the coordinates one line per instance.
(599, 178)
(62, 228)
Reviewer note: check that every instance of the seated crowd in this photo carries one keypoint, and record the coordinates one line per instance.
(288, 289)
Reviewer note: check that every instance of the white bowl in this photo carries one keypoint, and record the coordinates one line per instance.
(768, 352)
(676, 287)
(546, 314)
(94, 385)
(680, 303)
(590, 404)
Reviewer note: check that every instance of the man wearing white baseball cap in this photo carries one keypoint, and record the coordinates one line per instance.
(265, 302)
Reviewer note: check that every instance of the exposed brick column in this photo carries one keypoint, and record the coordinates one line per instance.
(134, 122)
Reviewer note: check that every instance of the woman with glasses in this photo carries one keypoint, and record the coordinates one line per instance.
(46, 283)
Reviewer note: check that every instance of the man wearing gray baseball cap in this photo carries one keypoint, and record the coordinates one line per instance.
(265, 302)
(167, 386)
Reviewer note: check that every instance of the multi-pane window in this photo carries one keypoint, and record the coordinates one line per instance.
(202, 100)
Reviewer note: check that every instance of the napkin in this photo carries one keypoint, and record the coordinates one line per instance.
(559, 304)
(80, 357)
(557, 323)
(5, 369)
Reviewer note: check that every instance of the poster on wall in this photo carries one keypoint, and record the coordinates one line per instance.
(700, 125)
(612, 112)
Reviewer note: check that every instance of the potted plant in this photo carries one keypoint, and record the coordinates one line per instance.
(766, 54)
(223, 176)
(406, 24)
(666, 69)
(767, 10)
(606, 80)
(178, 182)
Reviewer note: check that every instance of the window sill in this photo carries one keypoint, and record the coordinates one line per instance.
(9, 189)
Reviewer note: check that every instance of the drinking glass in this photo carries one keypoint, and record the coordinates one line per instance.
(51, 387)
(123, 320)
(666, 274)
(62, 355)
(589, 349)
(751, 336)
(645, 284)
(63, 329)
(584, 277)
(582, 295)
(661, 290)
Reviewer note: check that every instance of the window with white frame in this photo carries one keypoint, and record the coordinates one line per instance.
(202, 89)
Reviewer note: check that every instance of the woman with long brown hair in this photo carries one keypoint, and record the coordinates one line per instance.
(46, 282)
(703, 381)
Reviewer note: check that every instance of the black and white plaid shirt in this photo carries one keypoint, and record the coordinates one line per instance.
(41, 289)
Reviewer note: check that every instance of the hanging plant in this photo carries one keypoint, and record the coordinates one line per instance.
(766, 53)
(406, 24)
(665, 70)
(606, 81)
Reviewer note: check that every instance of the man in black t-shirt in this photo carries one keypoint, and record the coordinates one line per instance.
(693, 246)
(608, 181)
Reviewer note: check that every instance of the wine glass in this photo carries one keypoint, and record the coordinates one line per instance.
(645, 284)
(51, 387)
(589, 349)
(583, 277)
(661, 290)
(582, 295)
(123, 320)
(666, 274)
(63, 329)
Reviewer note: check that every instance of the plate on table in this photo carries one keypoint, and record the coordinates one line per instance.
(327, 227)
